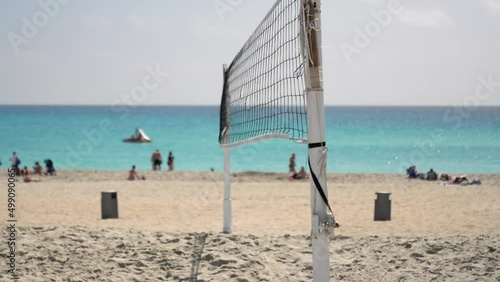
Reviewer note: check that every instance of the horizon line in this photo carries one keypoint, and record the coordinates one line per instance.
(217, 105)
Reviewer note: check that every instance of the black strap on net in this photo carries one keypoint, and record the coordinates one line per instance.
(315, 178)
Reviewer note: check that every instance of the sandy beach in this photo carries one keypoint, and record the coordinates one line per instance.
(169, 228)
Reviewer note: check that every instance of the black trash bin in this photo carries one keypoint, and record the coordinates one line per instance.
(382, 206)
(109, 204)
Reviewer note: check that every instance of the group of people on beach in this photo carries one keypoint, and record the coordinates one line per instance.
(27, 174)
(431, 175)
(156, 160)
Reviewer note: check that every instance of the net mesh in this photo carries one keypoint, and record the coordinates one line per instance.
(264, 86)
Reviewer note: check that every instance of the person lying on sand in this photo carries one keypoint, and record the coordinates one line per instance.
(28, 177)
(462, 180)
(444, 177)
(459, 180)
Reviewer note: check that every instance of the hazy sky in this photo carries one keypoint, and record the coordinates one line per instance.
(376, 52)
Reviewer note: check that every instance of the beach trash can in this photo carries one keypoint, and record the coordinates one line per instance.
(382, 206)
(109, 204)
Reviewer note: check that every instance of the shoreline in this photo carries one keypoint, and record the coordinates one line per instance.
(82, 175)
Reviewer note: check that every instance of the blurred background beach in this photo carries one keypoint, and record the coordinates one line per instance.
(360, 139)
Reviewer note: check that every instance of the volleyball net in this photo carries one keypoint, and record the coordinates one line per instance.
(264, 86)
(273, 88)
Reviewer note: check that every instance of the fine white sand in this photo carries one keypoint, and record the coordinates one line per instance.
(169, 229)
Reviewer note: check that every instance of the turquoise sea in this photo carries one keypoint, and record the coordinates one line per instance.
(360, 139)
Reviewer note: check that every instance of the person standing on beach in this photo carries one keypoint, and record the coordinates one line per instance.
(170, 161)
(291, 165)
(156, 160)
(15, 162)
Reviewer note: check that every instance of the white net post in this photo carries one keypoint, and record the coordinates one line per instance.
(227, 193)
(227, 212)
(322, 219)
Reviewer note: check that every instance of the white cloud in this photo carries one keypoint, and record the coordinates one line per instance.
(429, 18)
(150, 22)
(493, 6)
